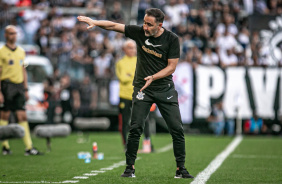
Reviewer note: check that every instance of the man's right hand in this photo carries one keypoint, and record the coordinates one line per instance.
(87, 20)
(1, 98)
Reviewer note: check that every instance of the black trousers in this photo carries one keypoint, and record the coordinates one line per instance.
(166, 98)
(125, 109)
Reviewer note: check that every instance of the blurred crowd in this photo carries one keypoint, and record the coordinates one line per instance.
(211, 32)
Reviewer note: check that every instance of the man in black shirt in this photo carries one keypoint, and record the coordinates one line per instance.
(158, 52)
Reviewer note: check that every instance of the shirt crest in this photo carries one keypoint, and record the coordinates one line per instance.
(140, 95)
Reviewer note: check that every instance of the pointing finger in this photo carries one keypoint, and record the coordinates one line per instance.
(89, 27)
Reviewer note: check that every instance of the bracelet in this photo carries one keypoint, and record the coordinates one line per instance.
(152, 76)
(25, 89)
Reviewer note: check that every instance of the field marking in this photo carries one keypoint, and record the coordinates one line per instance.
(71, 181)
(29, 182)
(89, 174)
(80, 177)
(165, 148)
(204, 175)
(103, 170)
(95, 171)
(256, 156)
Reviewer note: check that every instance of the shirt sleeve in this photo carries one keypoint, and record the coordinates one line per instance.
(174, 49)
(132, 31)
(24, 62)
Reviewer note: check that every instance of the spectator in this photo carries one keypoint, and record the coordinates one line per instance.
(228, 59)
(183, 8)
(273, 7)
(254, 125)
(260, 7)
(10, 2)
(174, 12)
(78, 3)
(64, 52)
(32, 18)
(225, 42)
(216, 8)
(77, 61)
(69, 98)
(24, 3)
(248, 6)
(117, 43)
(116, 15)
(209, 57)
(42, 41)
(143, 5)
(102, 65)
(93, 4)
(200, 19)
(88, 97)
(217, 120)
(102, 70)
(243, 37)
(193, 56)
(227, 24)
(6, 17)
(255, 46)
(43, 5)
(235, 9)
(49, 99)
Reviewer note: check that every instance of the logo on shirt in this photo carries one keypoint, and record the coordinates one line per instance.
(140, 95)
(148, 43)
(151, 52)
(11, 62)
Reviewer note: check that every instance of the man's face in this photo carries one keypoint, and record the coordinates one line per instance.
(11, 35)
(65, 81)
(130, 49)
(150, 26)
(86, 80)
(220, 105)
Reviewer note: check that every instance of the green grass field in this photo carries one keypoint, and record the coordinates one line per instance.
(255, 160)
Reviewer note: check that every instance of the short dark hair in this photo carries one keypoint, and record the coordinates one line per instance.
(157, 13)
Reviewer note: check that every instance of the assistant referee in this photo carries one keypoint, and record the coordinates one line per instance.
(14, 91)
(158, 52)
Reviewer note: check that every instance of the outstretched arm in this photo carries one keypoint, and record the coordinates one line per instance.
(104, 24)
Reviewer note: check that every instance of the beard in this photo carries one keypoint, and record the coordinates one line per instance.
(147, 33)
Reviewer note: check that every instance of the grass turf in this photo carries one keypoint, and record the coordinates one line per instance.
(256, 160)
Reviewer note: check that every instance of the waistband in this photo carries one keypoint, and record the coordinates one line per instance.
(161, 87)
(10, 82)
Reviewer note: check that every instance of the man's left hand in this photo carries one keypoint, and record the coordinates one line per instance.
(148, 80)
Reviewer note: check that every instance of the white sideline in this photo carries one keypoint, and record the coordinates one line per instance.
(257, 156)
(70, 181)
(204, 175)
(80, 177)
(164, 149)
(94, 172)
